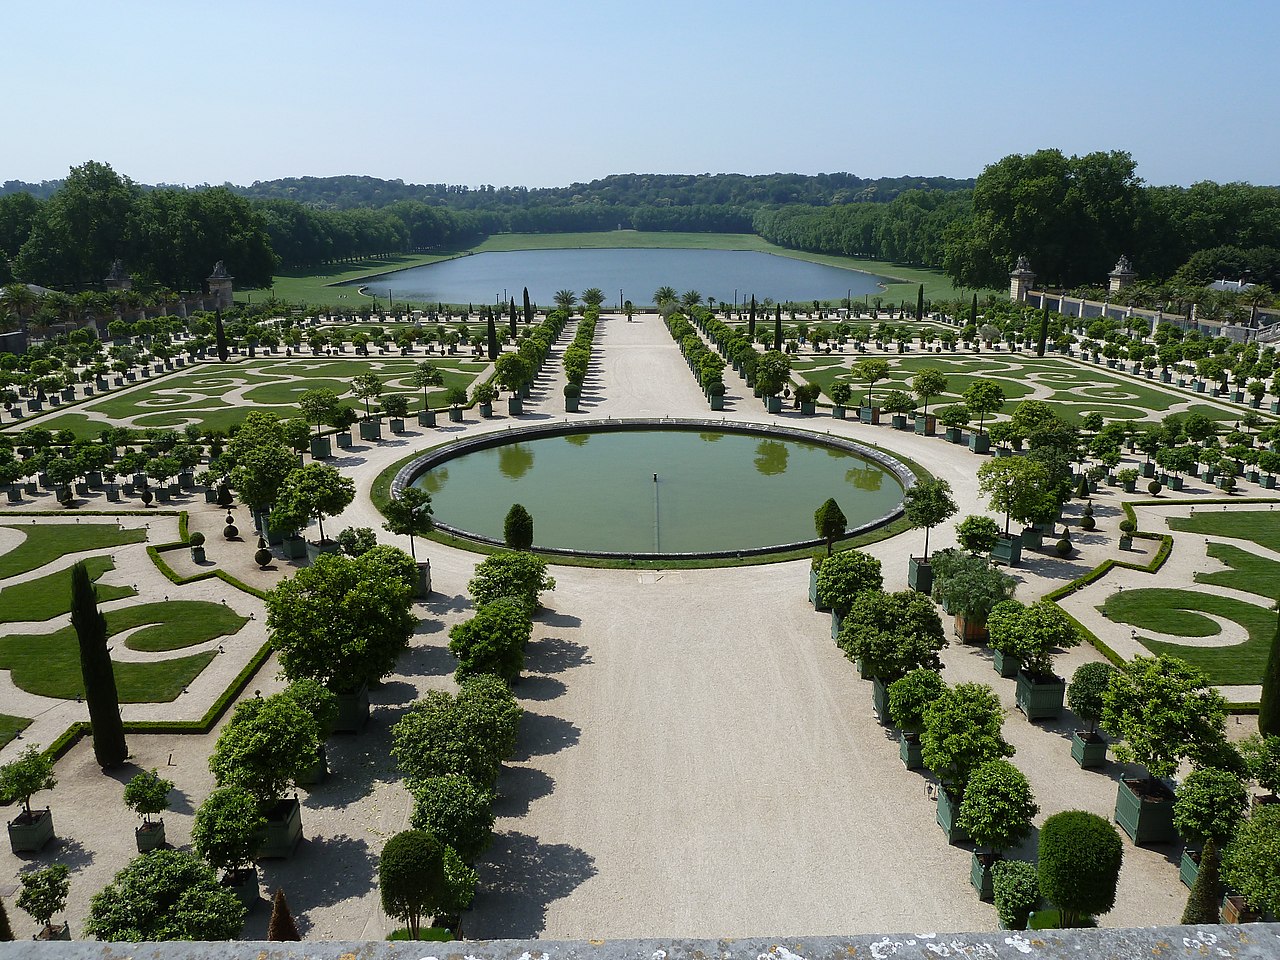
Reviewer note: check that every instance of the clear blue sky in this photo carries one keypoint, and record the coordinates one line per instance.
(549, 93)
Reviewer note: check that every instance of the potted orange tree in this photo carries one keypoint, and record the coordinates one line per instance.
(28, 774)
(146, 795)
(1084, 699)
(996, 813)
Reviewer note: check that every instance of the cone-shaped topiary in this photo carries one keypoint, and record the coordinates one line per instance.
(100, 692)
(282, 926)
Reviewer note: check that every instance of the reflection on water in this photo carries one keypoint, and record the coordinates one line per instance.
(865, 478)
(514, 460)
(679, 489)
(433, 480)
(771, 458)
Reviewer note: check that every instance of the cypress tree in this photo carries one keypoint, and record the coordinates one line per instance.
(1044, 330)
(920, 302)
(751, 322)
(221, 334)
(777, 328)
(512, 315)
(517, 528)
(1206, 892)
(973, 311)
(1269, 703)
(282, 926)
(528, 307)
(99, 676)
(493, 335)
(6, 931)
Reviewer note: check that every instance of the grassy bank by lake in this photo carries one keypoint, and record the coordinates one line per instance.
(317, 286)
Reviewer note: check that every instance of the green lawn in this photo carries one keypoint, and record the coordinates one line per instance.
(1259, 526)
(52, 540)
(199, 395)
(10, 727)
(1248, 572)
(49, 665)
(50, 596)
(1178, 613)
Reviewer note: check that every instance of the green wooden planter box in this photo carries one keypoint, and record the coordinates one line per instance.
(925, 424)
(979, 443)
(838, 412)
(869, 414)
(773, 404)
(954, 435)
(31, 837)
(282, 833)
(571, 404)
(807, 408)
(344, 440)
(149, 836)
(455, 414)
(353, 711)
(1089, 750)
(899, 421)
(1008, 550)
(486, 409)
(1189, 867)
(919, 575)
(1144, 819)
(515, 406)
(813, 590)
(981, 866)
(244, 884)
(948, 810)
(880, 699)
(836, 620)
(370, 429)
(1040, 698)
(909, 751)
(317, 771)
(1006, 666)
(426, 418)
(321, 448)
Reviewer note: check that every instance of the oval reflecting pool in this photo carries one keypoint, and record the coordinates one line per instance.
(659, 491)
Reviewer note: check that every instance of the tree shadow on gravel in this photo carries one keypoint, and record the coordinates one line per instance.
(519, 880)
(324, 872)
(539, 688)
(553, 619)
(455, 604)
(518, 787)
(555, 655)
(541, 735)
(356, 763)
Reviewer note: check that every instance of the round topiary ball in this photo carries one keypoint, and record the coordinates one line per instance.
(197, 539)
(1088, 523)
(1064, 547)
(1154, 487)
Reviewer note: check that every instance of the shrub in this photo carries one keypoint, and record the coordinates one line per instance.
(1063, 547)
(519, 575)
(1084, 693)
(357, 541)
(1017, 892)
(910, 696)
(1080, 857)
(969, 586)
(572, 390)
(1128, 526)
(1154, 488)
(28, 774)
(147, 794)
(493, 640)
(997, 808)
(470, 734)
(1251, 863)
(44, 892)
(225, 829)
(1209, 806)
(456, 812)
(1088, 523)
(893, 633)
(977, 533)
(265, 747)
(517, 528)
(1262, 759)
(1031, 633)
(164, 895)
(411, 877)
(197, 539)
(961, 732)
(843, 576)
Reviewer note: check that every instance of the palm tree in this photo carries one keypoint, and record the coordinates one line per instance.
(565, 299)
(664, 295)
(20, 298)
(592, 297)
(1258, 295)
(690, 299)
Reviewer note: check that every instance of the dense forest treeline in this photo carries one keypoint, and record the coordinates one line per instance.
(1073, 216)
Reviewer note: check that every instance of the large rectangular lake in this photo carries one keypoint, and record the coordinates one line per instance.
(490, 277)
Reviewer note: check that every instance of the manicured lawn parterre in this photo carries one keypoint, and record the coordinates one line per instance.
(10, 727)
(46, 542)
(50, 596)
(216, 397)
(1074, 389)
(1181, 613)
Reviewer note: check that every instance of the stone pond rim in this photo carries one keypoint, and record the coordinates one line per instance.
(407, 473)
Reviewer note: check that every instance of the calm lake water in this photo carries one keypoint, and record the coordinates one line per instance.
(485, 277)
(715, 491)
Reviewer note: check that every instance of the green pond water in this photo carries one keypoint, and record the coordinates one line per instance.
(596, 492)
